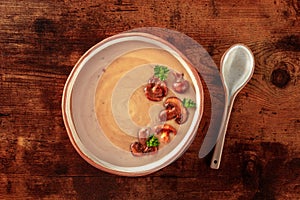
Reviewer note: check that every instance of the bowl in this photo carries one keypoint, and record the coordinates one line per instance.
(132, 104)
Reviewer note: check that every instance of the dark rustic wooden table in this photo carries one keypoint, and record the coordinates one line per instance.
(42, 40)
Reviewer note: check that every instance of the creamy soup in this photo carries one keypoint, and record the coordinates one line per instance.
(121, 106)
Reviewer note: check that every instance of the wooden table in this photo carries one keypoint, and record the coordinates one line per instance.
(42, 40)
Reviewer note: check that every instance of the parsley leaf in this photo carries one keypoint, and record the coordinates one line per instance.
(152, 141)
(161, 72)
(188, 103)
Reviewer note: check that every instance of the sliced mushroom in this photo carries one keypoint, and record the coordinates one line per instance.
(180, 85)
(140, 148)
(156, 89)
(143, 135)
(168, 114)
(174, 110)
(137, 149)
(182, 117)
(164, 131)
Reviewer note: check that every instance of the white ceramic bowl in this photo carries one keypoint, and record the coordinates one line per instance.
(85, 115)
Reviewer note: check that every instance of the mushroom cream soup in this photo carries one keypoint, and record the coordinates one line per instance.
(121, 105)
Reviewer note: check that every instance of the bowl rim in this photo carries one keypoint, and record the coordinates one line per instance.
(67, 115)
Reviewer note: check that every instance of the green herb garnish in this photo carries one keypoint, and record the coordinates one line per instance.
(152, 141)
(188, 103)
(161, 72)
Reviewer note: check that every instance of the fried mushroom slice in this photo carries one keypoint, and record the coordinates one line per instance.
(174, 109)
(137, 149)
(164, 131)
(156, 89)
(140, 148)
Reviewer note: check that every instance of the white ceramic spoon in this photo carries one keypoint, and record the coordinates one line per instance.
(237, 67)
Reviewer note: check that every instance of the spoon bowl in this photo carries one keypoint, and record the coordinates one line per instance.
(237, 67)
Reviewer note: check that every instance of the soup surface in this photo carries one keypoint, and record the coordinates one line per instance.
(121, 106)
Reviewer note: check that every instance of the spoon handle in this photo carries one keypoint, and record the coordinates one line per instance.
(216, 158)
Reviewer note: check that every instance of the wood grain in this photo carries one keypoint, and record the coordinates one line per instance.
(42, 40)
